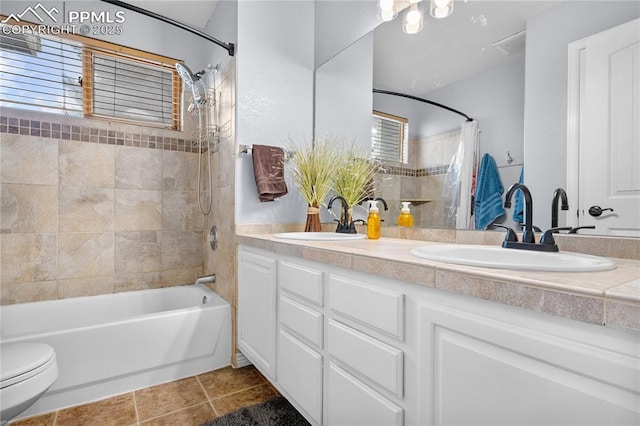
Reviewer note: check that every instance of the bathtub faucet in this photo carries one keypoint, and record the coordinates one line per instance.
(207, 279)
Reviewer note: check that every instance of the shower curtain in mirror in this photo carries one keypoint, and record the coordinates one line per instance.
(459, 183)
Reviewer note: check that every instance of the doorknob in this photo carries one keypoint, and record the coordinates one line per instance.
(596, 211)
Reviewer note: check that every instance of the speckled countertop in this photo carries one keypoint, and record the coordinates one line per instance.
(608, 298)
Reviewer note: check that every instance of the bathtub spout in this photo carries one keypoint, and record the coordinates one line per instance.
(207, 279)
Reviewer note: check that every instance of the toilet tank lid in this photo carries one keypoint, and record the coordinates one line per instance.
(20, 358)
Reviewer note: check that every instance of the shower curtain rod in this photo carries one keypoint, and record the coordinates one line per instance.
(230, 47)
(415, 98)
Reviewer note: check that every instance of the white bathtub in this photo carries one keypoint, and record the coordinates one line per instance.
(115, 343)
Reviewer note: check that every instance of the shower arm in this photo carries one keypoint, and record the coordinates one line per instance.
(230, 47)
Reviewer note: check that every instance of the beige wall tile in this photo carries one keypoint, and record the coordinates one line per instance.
(87, 164)
(180, 276)
(180, 210)
(138, 168)
(91, 286)
(29, 257)
(180, 170)
(138, 251)
(28, 292)
(182, 249)
(132, 281)
(28, 159)
(29, 208)
(138, 210)
(86, 209)
(84, 255)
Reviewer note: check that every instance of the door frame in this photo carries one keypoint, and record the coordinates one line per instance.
(575, 90)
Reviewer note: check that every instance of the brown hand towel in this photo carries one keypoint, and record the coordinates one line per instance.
(268, 168)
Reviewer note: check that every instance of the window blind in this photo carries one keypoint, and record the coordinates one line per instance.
(127, 89)
(389, 138)
(39, 73)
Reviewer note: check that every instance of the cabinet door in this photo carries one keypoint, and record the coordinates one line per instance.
(301, 374)
(350, 402)
(257, 310)
(483, 371)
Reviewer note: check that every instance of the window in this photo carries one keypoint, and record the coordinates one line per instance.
(79, 76)
(389, 138)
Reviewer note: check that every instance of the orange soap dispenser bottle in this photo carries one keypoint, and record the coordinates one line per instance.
(373, 221)
(405, 218)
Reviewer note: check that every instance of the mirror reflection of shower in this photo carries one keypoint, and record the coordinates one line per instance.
(203, 104)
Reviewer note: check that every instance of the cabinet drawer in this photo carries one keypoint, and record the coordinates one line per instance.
(302, 281)
(301, 374)
(302, 320)
(376, 360)
(350, 402)
(375, 307)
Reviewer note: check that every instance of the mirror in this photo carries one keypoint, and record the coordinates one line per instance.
(452, 61)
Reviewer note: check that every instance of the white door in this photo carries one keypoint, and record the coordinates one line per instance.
(609, 188)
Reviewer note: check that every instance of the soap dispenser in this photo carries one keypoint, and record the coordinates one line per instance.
(405, 218)
(373, 221)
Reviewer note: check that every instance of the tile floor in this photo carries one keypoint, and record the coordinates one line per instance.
(185, 402)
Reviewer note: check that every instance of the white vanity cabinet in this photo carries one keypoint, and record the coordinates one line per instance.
(500, 365)
(351, 348)
(257, 309)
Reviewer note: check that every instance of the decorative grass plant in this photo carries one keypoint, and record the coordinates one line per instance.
(313, 168)
(353, 181)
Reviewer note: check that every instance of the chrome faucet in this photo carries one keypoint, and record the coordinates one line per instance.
(558, 194)
(343, 225)
(207, 279)
(527, 235)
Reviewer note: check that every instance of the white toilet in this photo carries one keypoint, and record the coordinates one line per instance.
(27, 371)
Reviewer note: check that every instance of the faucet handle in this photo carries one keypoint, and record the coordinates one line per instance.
(510, 235)
(547, 237)
(577, 228)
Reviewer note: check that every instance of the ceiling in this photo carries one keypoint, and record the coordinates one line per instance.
(447, 49)
(195, 13)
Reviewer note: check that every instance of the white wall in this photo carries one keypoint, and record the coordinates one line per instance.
(339, 23)
(545, 131)
(274, 96)
(343, 98)
(223, 25)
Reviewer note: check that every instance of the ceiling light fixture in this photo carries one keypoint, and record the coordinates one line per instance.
(413, 20)
(441, 8)
(386, 10)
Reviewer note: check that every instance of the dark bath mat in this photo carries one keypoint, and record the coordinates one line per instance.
(274, 412)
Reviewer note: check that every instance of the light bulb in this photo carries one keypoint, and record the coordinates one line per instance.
(412, 20)
(413, 16)
(386, 5)
(441, 8)
(386, 15)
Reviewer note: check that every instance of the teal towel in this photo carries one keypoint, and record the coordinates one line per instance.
(518, 207)
(488, 200)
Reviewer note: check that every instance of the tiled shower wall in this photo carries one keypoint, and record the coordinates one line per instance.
(422, 179)
(92, 207)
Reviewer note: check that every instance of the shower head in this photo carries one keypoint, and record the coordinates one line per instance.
(187, 76)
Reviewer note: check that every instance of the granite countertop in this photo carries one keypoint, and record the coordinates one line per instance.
(608, 298)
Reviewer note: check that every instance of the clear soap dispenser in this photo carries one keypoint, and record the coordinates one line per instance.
(373, 221)
(405, 218)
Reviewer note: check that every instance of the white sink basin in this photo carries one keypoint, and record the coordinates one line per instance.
(318, 236)
(503, 258)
